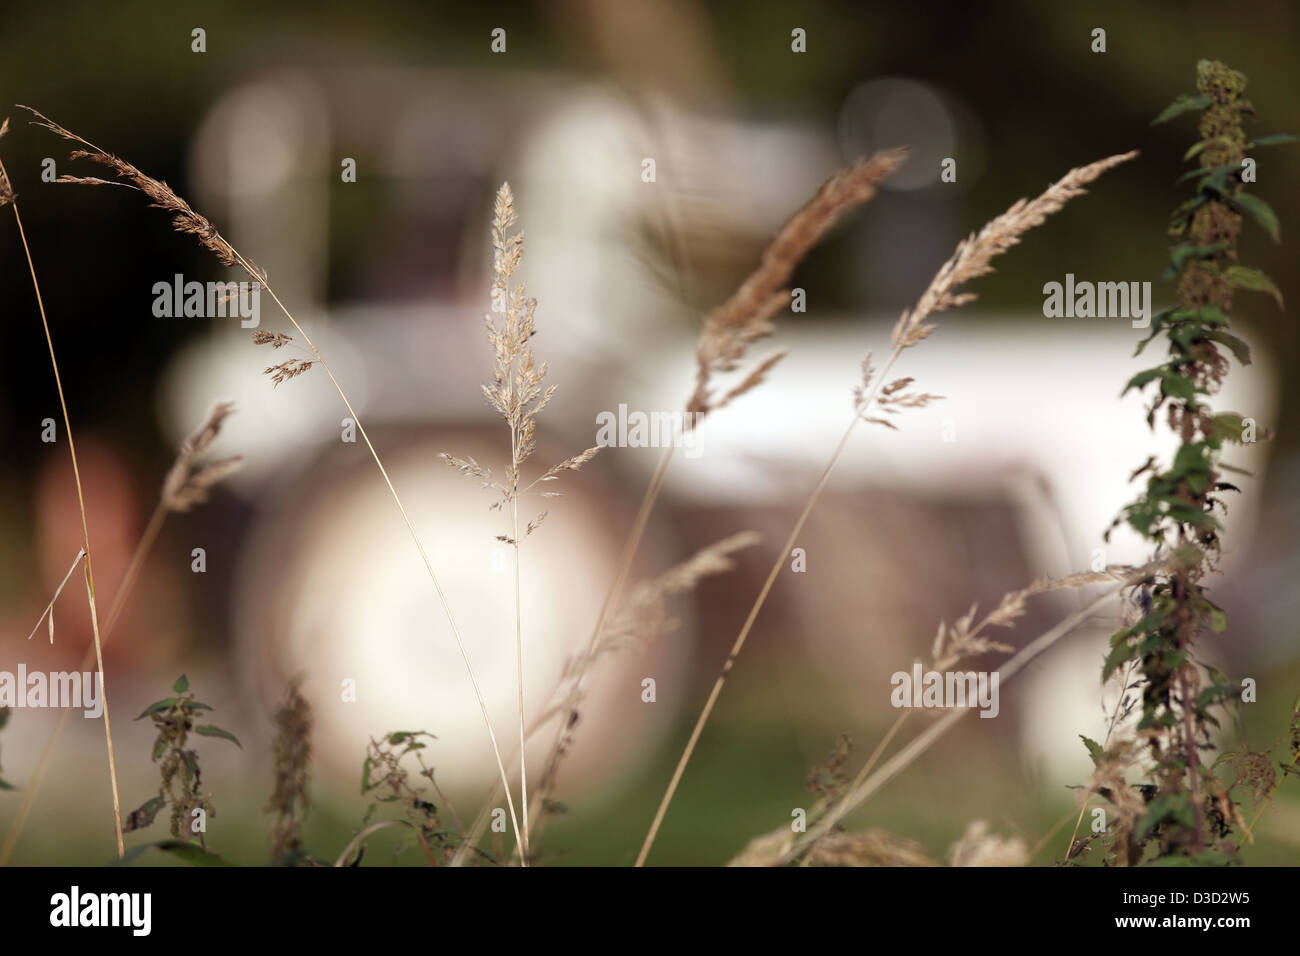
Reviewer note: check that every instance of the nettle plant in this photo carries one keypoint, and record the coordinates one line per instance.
(1186, 813)
(181, 785)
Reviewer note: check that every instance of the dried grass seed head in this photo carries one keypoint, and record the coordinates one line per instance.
(185, 485)
(747, 315)
(287, 370)
(974, 254)
(184, 218)
(964, 639)
(274, 339)
(516, 391)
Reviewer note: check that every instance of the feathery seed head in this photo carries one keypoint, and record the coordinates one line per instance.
(185, 485)
(747, 315)
(162, 196)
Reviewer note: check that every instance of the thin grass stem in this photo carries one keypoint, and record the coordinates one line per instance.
(85, 527)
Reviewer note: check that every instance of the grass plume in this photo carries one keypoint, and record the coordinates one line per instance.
(10, 198)
(517, 395)
(188, 484)
(186, 220)
(727, 333)
(747, 316)
(971, 260)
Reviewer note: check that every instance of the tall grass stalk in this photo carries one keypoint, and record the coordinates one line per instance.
(185, 219)
(727, 333)
(12, 199)
(186, 485)
(971, 260)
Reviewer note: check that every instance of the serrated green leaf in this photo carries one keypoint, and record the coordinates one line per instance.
(1190, 459)
(1142, 378)
(1141, 346)
(1218, 620)
(1180, 253)
(208, 730)
(1239, 348)
(1216, 179)
(190, 764)
(143, 815)
(1094, 749)
(365, 775)
(1173, 385)
(1201, 145)
(1274, 139)
(1151, 621)
(1183, 103)
(1185, 336)
(158, 705)
(192, 853)
(1212, 695)
(1119, 653)
(1184, 212)
(1253, 279)
(1187, 514)
(182, 685)
(1211, 315)
(1261, 212)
